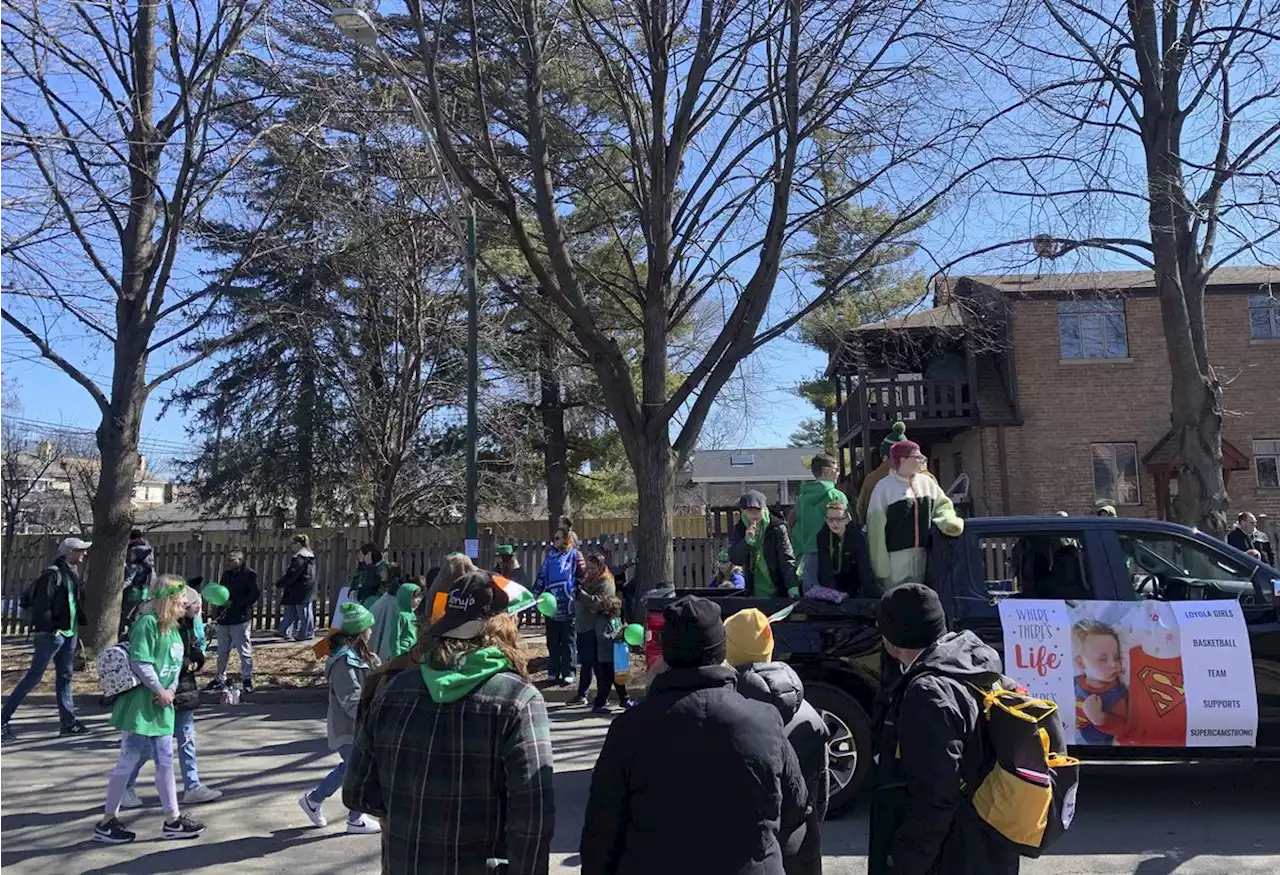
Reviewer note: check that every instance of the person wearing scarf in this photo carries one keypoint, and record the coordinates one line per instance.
(761, 545)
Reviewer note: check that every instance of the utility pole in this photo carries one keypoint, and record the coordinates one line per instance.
(473, 379)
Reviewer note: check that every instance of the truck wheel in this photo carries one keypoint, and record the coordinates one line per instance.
(849, 748)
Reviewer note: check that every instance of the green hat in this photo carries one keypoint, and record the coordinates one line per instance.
(504, 550)
(169, 590)
(216, 594)
(355, 618)
(722, 556)
(897, 432)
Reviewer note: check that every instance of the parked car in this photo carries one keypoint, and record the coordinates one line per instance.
(1081, 562)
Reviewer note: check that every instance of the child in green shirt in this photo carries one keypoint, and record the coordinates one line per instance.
(145, 715)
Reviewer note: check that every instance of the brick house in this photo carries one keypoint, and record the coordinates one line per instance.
(1052, 393)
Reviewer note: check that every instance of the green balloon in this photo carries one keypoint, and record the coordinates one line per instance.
(634, 634)
(547, 604)
(216, 594)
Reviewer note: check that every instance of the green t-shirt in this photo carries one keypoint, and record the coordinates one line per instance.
(137, 711)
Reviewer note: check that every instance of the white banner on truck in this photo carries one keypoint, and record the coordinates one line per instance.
(1142, 674)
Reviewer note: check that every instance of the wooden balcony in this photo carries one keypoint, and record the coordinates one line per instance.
(920, 403)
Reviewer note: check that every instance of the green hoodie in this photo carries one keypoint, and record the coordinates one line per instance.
(450, 685)
(811, 514)
(406, 630)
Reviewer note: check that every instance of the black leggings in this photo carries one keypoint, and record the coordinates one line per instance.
(604, 678)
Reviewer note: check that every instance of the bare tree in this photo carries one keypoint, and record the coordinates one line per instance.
(704, 130)
(26, 466)
(1157, 130)
(110, 116)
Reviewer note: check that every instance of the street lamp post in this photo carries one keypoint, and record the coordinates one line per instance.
(357, 24)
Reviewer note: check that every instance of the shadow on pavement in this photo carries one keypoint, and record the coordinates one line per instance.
(174, 857)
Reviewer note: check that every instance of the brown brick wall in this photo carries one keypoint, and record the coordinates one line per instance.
(1067, 405)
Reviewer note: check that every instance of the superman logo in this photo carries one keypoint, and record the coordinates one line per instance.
(1164, 688)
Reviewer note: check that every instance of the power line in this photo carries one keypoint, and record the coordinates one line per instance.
(155, 446)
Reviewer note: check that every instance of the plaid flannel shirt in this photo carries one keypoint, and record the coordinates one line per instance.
(459, 783)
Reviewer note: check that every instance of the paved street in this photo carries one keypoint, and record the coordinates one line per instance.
(1209, 819)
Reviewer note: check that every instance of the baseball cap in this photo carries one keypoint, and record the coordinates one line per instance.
(469, 605)
(69, 544)
(504, 550)
(753, 499)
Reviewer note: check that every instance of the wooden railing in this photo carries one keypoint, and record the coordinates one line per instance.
(880, 404)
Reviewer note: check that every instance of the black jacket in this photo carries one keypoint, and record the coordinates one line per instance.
(1238, 539)
(778, 556)
(139, 571)
(242, 583)
(299, 581)
(777, 684)
(930, 742)
(695, 780)
(846, 565)
(50, 605)
(186, 697)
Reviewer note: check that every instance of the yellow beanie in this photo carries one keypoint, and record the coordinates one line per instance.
(748, 638)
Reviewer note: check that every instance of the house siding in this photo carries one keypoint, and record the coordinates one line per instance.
(1068, 405)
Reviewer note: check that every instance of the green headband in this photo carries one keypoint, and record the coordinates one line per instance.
(170, 590)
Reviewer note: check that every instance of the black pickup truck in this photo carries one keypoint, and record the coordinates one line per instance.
(836, 648)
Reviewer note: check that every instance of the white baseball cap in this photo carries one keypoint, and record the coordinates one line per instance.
(69, 544)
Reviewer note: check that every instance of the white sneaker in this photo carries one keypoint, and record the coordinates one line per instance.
(130, 799)
(200, 793)
(313, 812)
(366, 825)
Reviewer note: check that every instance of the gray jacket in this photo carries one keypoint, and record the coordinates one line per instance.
(589, 612)
(346, 673)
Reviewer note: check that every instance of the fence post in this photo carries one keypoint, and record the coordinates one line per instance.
(191, 565)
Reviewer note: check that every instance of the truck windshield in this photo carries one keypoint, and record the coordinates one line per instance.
(1171, 555)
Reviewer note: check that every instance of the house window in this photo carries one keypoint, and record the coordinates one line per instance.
(772, 490)
(723, 494)
(1266, 456)
(1115, 474)
(1264, 317)
(1092, 329)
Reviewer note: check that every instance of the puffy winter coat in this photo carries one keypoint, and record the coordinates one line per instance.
(710, 799)
(50, 598)
(930, 745)
(242, 584)
(777, 684)
(299, 581)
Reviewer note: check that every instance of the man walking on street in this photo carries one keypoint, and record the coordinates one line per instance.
(711, 796)
(56, 618)
(1244, 537)
(931, 745)
(243, 592)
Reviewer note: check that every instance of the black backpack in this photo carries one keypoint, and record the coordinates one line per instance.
(1028, 795)
(26, 601)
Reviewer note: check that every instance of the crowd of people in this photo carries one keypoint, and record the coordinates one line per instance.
(723, 758)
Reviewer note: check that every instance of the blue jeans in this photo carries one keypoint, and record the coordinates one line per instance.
(562, 647)
(184, 736)
(49, 646)
(332, 782)
(298, 621)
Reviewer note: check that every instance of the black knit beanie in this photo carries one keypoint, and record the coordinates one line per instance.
(693, 633)
(911, 616)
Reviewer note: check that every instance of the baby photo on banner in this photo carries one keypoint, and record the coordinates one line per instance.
(1145, 674)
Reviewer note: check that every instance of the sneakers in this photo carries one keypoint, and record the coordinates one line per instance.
(363, 825)
(311, 809)
(76, 728)
(577, 700)
(112, 832)
(130, 799)
(200, 793)
(569, 680)
(217, 685)
(6, 734)
(247, 685)
(601, 709)
(628, 704)
(184, 827)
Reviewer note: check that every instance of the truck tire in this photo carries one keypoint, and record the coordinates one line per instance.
(850, 746)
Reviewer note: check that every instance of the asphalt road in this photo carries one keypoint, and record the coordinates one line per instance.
(1181, 819)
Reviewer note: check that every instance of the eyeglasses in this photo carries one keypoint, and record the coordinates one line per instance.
(837, 519)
